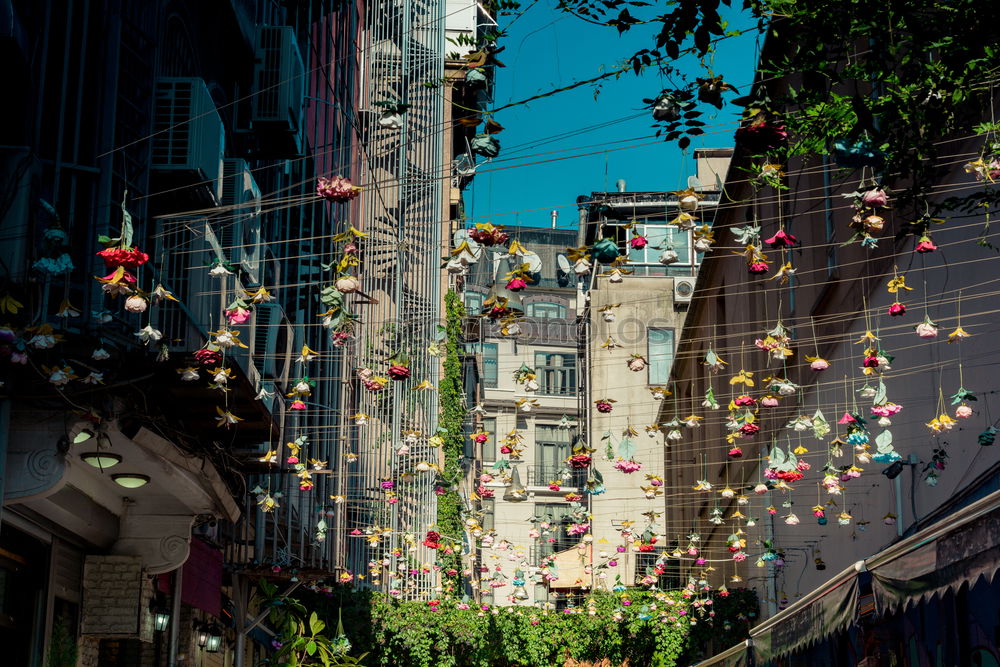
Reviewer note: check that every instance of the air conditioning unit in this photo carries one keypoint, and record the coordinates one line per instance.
(683, 290)
(279, 92)
(188, 144)
(271, 344)
(239, 228)
(186, 275)
(22, 172)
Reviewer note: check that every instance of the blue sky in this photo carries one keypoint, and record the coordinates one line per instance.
(546, 49)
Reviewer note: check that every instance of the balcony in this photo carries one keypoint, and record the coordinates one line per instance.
(541, 474)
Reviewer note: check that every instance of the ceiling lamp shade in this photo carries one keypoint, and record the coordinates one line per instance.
(131, 480)
(101, 460)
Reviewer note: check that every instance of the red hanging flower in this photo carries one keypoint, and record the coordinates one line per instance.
(129, 258)
(516, 284)
(207, 357)
(925, 244)
(758, 267)
(638, 242)
(398, 372)
(432, 540)
(781, 239)
(897, 309)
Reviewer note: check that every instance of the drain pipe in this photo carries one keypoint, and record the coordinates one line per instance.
(175, 617)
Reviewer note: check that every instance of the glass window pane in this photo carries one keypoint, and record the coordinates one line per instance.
(660, 355)
(556, 373)
(490, 359)
(490, 446)
(547, 310)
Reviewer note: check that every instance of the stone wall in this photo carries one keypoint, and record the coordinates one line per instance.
(116, 598)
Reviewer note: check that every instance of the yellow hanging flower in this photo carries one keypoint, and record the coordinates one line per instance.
(10, 305)
(425, 385)
(785, 271)
(957, 335)
(744, 377)
(898, 283)
(307, 354)
(869, 338)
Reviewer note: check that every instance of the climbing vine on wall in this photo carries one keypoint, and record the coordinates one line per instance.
(452, 417)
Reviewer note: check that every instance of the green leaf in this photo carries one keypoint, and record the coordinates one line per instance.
(311, 647)
(315, 624)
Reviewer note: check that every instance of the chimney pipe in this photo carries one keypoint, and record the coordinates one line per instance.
(620, 184)
(555, 216)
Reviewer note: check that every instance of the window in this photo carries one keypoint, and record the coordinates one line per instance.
(556, 373)
(490, 446)
(552, 448)
(547, 310)
(645, 563)
(489, 508)
(490, 356)
(660, 238)
(473, 302)
(559, 515)
(660, 354)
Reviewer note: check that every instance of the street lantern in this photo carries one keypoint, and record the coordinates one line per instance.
(161, 619)
(202, 635)
(214, 642)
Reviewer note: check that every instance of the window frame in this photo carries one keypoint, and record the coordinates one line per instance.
(652, 357)
(546, 373)
(559, 308)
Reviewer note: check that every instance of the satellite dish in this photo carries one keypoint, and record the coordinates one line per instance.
(533, 261)
(463, 235)
(694, 183)
(563, 263)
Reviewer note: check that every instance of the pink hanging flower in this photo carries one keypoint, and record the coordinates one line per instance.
(925, 244)
(963, 411)
(749, 430)
(516, 284)
(238, 315)
(297, 405)
(819, 364)
(398, 372)
(627, 466)
(846, 419)
(758, 267)
(604, 406)
(735, 452)
(638, 242)
(744, 401)
(871, 361)
(781, 239)
(336, 189)
(886, 409)
(897, 309)
(926, 329)
(770, 401)
(874, 198)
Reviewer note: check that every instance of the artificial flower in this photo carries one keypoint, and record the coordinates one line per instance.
(925, 244)
(957, 335)
(148, 334)
(927, 328)
(897, 309)
(781, 239)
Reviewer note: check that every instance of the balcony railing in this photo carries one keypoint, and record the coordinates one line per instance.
(542, 474)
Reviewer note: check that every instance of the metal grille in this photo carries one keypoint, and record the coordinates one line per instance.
(405, 41)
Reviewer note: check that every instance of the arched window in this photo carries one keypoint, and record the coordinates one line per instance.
(547, 309)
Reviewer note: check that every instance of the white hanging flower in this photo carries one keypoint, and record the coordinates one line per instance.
(93, 378)
(100, 354)
(669, 256)
(674, 435)
(582, 266)
(189, 374)
(219, 270)
(148, 334)
(42, 341)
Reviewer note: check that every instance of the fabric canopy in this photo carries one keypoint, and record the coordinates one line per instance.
(737, 656)
(821, 613)
(960, 550)
(570, 568)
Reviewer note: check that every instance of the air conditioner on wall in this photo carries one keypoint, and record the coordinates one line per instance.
(239, 227)
(683, 290)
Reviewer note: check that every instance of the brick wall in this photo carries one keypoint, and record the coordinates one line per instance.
(116, 598)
